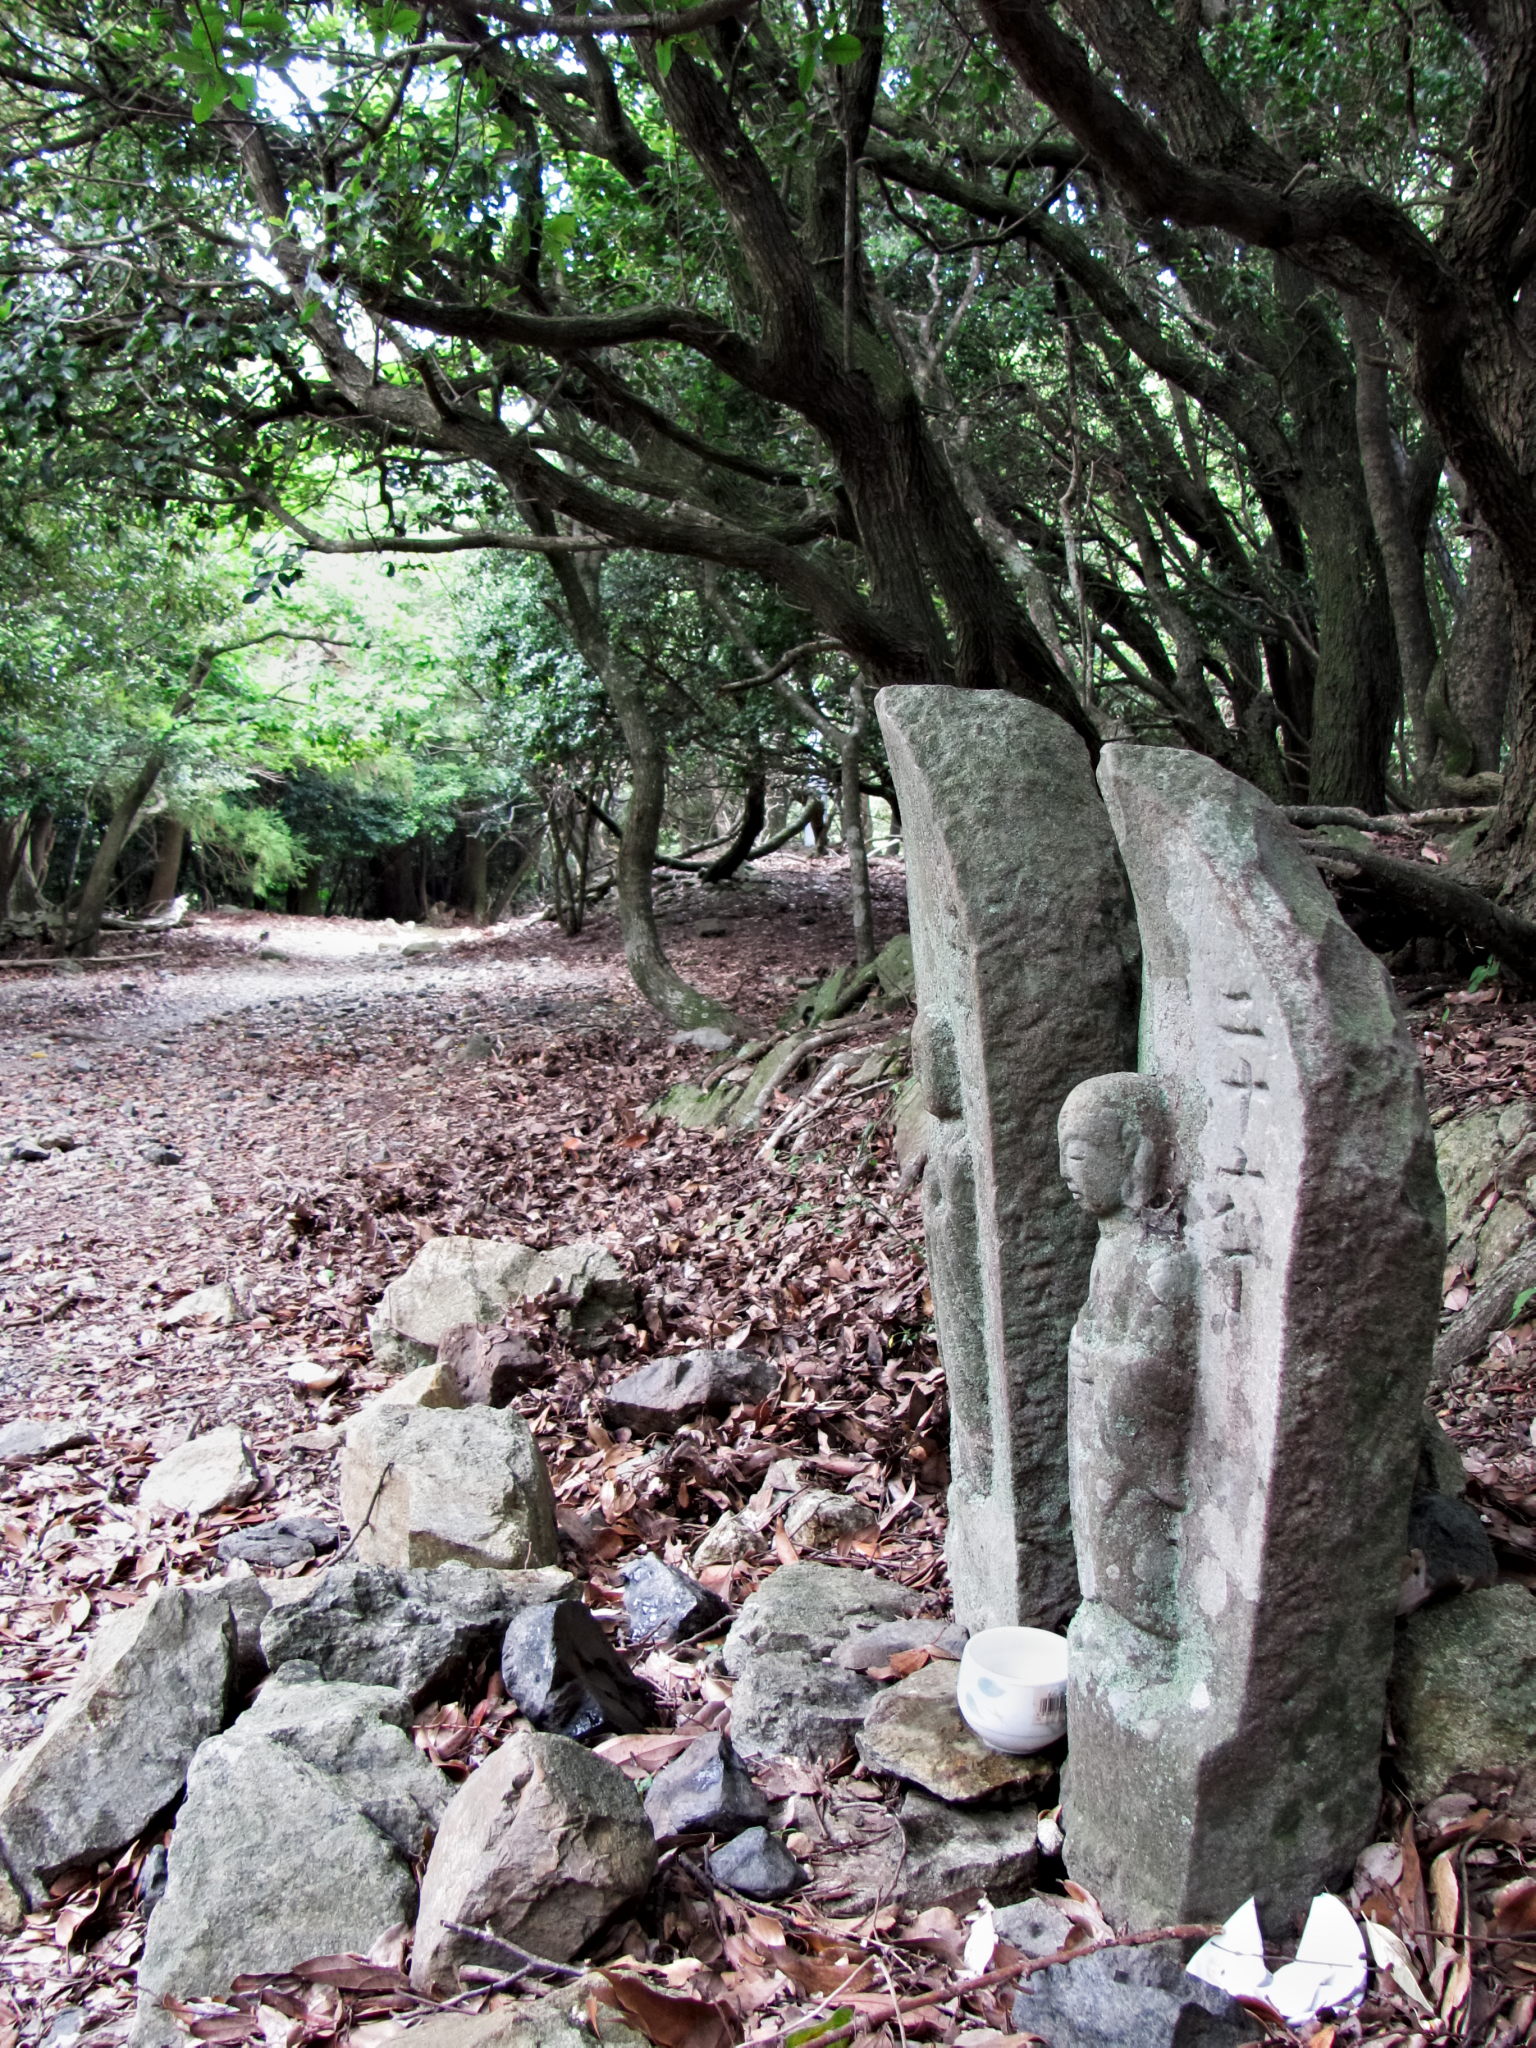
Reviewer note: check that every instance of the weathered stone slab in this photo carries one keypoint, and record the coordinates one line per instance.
(209, 1472)
(1024, 952)
(1247, 1375)
(914, 1731)
(543, 1843)
(115, 1750)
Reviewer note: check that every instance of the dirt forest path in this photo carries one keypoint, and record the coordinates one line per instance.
(292, 1106)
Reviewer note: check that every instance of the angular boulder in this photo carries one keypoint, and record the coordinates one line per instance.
(757, 1864)
(662, 1605)
(358, 1736)
(271, 1863)
(115, 1751)
(706, 1790)
(671, 1391)
(456, 1280)
(542, 1844)
(210, 1472)
(563, 1672)
(792, 1704)
(813, 1608)
(1463, 1696)
(422, 1486)
(419, 1631)
(451, 1280)
(30, 1440)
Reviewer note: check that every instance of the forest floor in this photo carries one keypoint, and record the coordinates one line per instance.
(284, 1104)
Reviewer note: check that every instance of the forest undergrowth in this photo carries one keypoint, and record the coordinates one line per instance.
(293, 1107)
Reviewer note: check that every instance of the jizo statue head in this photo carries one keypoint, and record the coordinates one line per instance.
(1114, 1136)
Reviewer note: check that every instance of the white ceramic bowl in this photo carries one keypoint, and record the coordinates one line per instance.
(1013, 1688)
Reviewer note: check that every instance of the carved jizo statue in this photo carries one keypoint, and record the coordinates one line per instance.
(1131, 1360)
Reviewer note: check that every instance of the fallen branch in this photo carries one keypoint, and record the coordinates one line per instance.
(1465, 1337)
(1026, 1966)
(90, 960)
(1436, 901)
(1449, 818)
(510, 1949)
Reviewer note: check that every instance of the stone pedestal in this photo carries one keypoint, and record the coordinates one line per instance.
(1237, 1752)
(1024, 952)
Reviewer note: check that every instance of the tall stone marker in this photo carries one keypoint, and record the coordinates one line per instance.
(1248, 1373)
(1024, 952)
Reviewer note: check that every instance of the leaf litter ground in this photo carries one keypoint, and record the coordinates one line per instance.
(319, 1090)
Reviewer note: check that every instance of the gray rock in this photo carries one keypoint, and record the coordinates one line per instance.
(290, 1540)
(451, 1280)
(820, 1518)
(30, 1441)
(869, 1648)
(488, 1365)
(1449, 1551)
(210, 1472)
(758, 1864)
(1314, 1258)
(706, 1790)
(358, 1735)
(565, 1675)
(419, 1631)
(115, 1750)
(559, 2021)
(813, 1607)
(156, 1154)
(662, 1605)
(454, 1280)
(1464, 1691)
(270, 1863)
(914, 1731)
(422, 1486)
(542, 1844)
(790, 1703)
(729, 1540)
(218, 1304)
(1036, 1926)
(1023, 947)
(1129, 1998)
(953, 1852)
(703, 1038)
(671, 1391)
(895, 969)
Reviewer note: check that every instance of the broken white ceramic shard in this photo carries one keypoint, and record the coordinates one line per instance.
(1234, 1959)
(1329, 1970)
(981, 1942)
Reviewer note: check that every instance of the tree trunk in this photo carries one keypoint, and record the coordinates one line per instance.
(1472, 689)
(13, 834)
(1402, 556)
(754, 810)
(306, 898)
(850, 745)
(85, 922)
(474, 878)
(1356, 691)
(170, 844)
(655, 977)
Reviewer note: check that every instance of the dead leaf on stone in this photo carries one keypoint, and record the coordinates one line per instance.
(670, 2021)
